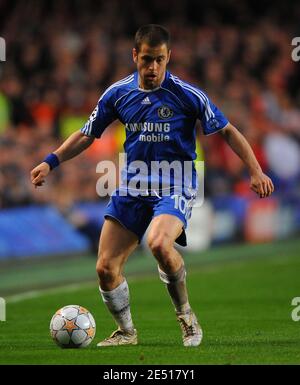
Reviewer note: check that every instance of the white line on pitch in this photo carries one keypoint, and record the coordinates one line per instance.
(39, 293)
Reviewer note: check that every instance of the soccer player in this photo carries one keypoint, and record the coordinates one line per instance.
(159, 112)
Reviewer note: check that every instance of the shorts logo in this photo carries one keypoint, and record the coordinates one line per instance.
(164, 112)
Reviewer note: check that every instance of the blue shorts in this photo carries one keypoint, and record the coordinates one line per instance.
(136, 212)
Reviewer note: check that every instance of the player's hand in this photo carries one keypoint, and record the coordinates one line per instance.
(261, 184)
(39, 173)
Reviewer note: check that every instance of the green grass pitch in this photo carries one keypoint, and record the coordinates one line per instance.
(243, 305)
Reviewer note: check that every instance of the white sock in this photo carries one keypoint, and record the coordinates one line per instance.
(117, 302)
(176, 285)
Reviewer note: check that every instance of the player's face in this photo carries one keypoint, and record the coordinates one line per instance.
(151, 64)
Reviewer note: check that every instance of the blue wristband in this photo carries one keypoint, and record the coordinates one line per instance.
(52, 160)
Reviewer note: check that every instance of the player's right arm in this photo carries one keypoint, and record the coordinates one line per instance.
(99, 119)
(103, 114)
(73, 146)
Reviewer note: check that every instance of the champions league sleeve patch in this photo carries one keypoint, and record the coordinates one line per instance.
(213, 124)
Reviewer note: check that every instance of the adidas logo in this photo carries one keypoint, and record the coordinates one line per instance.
(146, 101)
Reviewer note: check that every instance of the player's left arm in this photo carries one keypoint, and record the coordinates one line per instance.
(259, 182)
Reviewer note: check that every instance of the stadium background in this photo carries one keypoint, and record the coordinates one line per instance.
(60, 57)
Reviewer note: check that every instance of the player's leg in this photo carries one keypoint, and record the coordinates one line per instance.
(115, 245)
(164, 230)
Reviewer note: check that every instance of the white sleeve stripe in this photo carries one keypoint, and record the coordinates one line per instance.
(201, 95)
(84, 129)
(193, 92)
(87, 129)
(127, 80)
(198, 93)
(208, 111)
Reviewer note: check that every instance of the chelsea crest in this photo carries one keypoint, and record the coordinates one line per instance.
(165, 112)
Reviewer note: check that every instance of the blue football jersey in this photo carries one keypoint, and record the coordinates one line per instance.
(160, 126)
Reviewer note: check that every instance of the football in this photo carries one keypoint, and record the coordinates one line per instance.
(72, 326)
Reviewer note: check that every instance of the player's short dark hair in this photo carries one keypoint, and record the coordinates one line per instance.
(153, 35)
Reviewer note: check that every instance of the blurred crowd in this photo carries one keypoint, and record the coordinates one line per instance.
(62, 55)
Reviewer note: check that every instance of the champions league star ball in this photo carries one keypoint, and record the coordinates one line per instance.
(72, 326)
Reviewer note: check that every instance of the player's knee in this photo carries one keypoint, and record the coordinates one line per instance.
(106, 272)
(159, 246)
(106, 275)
